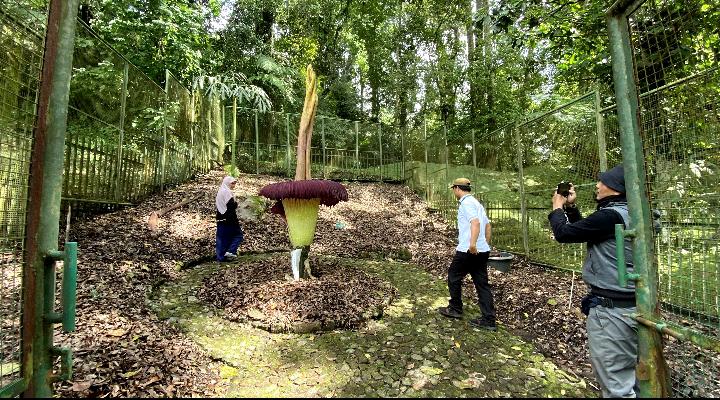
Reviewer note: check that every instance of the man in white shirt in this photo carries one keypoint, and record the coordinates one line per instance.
(471, 257)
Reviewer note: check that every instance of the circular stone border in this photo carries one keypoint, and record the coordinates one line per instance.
(261, 292)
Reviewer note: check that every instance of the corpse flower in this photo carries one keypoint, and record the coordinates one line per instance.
(298, 201)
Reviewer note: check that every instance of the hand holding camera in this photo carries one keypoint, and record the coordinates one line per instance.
(563, 188)
(564, 194)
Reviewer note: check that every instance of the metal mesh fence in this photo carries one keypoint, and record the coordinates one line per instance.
(675, 45)
(266, 143)
(498, 187)
(559, 146)
(21, 44)
(127, 136)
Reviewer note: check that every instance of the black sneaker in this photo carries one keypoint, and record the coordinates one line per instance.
(483, 324)
(449, 312)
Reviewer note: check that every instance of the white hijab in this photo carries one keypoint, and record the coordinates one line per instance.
(224, 194)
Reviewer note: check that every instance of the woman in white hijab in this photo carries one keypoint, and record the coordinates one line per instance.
(229, 233)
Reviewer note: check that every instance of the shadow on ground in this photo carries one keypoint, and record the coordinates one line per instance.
(410, 352)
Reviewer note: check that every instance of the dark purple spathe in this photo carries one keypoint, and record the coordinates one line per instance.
(329, 192)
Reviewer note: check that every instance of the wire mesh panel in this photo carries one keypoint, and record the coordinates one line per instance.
(94, 120)
(497, 187)
(436, 173)
(143, 137)
(274, 136)
(245, 147)
(21, 44)
(339, 158)
(392, 160)
(368, 151)
(559, 146)
(676, 59)
(178, 125)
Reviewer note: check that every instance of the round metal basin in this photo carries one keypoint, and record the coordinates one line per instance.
(501, 261)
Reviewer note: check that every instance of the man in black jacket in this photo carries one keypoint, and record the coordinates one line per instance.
(612, 337)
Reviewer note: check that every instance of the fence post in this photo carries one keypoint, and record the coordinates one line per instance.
(233, 147)
(221, 150)
(652, 371)
(447, 158)
(322, 132)
(208, 133)
(192, 133)
(425, 146)
(123, 108)
(287, 143)
(474, 158)
(381, 154)
(257, 145)
(403, 130)
(523, 201)
(600, 128)
(43, 206)
(164, 147)
(357, 150)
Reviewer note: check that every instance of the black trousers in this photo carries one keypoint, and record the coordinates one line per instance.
(475, 265)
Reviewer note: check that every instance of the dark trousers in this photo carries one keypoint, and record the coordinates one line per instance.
(227, 239)
(475, 265)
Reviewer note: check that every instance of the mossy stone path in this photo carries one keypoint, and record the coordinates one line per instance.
(411, 352)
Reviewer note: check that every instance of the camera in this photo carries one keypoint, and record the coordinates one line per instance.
(563, 188)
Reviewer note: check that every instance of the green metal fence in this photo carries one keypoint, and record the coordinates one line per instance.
(22, 39)
(675, 53)
(127, 136)
(265, 143)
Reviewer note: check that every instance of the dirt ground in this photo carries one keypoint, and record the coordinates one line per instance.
(128, 343)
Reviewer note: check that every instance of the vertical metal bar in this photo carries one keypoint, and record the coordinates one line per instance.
(425, 145)
(121, 140)
(44, 197)
(447, 155)
(192, 133)
(208, 133)
(357, 150)
(474, 158)
(221, 149)
(652, 372)
(403, 130)
(287, 143)
(164, 147)
(381, 154)
(523, 200)
(600, 128)
(257, 144)
(322, 131)
(233, 147)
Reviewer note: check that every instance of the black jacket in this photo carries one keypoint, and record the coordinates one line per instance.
(596, 227)
(230, 217)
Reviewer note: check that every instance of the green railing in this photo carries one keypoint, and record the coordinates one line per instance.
(127, 136)
(22, 37)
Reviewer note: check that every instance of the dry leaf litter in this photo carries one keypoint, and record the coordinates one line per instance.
(122, 349)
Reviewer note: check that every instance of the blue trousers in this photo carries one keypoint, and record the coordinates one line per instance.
(227, 239)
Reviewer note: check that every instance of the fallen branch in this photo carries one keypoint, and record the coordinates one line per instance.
(154, 218)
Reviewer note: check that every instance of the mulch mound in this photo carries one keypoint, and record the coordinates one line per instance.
(263, 294)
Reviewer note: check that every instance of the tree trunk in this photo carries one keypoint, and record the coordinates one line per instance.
(470, 32)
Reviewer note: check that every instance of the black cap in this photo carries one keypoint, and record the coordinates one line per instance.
(614, 178)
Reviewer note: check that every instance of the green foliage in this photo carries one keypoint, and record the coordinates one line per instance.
(231, 170)
(233, 85)
(159, 34)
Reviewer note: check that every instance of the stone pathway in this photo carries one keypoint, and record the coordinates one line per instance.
(410, 352)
